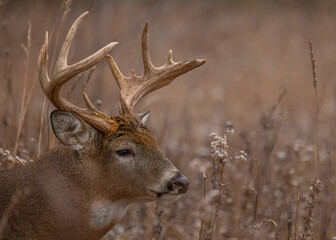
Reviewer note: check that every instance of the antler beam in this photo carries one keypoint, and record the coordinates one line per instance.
(134, 88)
(64, 72)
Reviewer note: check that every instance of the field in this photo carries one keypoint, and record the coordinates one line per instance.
(253, 129)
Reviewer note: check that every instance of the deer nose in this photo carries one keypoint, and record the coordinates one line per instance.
(179, 183)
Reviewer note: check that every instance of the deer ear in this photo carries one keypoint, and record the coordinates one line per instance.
(70, 130)
(143, 117)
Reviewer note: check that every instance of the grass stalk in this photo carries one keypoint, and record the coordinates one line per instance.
(297, 213)
(316, 137)
(258, 193)
(22, 110)
(219, 200)
(203, 206)
(66, 7)
(41, 126)
(328, 223)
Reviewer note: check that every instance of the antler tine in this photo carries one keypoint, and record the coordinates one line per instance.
(133, 88)
(64, 72)
(148, 66)
(62, 61)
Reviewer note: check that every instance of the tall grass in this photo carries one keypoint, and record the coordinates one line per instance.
(267, 181)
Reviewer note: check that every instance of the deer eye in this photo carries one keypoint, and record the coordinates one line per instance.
(123, 152)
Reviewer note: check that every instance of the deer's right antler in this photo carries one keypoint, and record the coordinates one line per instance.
(134, 88)
(64, 72)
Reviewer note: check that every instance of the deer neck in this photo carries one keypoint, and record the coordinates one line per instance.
(73, 193)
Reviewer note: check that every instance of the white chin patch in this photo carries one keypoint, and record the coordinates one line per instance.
(105, 212)
(170, 197)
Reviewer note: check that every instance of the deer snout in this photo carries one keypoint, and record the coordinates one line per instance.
(179, 183)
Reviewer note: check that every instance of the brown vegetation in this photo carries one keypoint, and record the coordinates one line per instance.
(274, 173)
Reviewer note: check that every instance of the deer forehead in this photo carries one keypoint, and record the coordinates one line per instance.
(138, 138)
(104, 212)
(130, 128)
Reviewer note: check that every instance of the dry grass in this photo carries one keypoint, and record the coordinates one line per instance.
(257, 81)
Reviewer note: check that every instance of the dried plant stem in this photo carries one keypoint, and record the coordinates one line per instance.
(219, 200)
(258, 193)
(26, 104)
(80, 32)
(297, 213)
(219, 154)
(66, 6)
(74, 85)
(88, 78)
(59, 13)
(41, 126)
(289, 221)
(8, 111)
(203, 206)
(91, 5)
(316, 138)
(314, 191)
(276, 104)
(22, 111)
(329, 219)
(30, 94)
(79, 38)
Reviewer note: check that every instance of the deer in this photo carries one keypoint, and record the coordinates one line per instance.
(81, 188)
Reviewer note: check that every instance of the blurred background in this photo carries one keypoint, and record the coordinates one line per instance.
(278, 179)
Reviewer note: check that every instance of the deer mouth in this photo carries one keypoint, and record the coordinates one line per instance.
(167, 195)
(174, 189)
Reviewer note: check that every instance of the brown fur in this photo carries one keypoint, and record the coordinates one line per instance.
(64, 183)
(134, 130)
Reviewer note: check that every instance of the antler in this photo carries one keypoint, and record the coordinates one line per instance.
(134, 88)
(64, 72)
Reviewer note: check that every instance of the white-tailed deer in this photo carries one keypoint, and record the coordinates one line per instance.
(81, 189)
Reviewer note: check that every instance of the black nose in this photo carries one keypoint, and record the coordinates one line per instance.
(179, 183)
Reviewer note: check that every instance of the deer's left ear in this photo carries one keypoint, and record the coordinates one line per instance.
(70, 130)
(143, 117)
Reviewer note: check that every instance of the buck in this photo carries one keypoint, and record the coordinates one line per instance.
(82, 188)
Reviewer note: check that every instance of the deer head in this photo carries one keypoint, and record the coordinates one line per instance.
(120, 161)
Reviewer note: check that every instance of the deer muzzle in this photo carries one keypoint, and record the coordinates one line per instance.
(178, 183)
